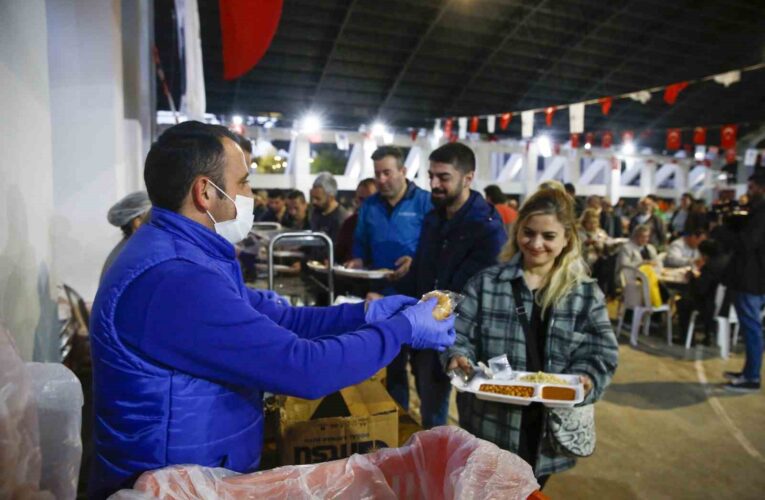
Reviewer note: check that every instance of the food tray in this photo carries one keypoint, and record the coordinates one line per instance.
(371, 274)
(288, 254)
(474, 385)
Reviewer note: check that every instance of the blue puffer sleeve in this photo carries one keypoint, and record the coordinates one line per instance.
(310, 322)
(190, 319)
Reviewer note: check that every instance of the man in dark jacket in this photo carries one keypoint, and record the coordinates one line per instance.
(701, 291)
(746, 278)
(461, 236)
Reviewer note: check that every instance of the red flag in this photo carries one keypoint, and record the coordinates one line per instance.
(574, 140)
(247, 28)
(448, 125)
(674, 139)
(474, 124)
(672, 91)
(504, 120)
(549, 112)
(589, 138)
(607, 140)
(699, 135)
(605, 104)
(414, 133)
(728, 136)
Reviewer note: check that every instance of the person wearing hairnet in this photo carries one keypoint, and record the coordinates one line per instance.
(127, 214)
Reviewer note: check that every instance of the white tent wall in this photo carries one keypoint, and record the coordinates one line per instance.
(70, 149)
(26, 188)
(101, 126)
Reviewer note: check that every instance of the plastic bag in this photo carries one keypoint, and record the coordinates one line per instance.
(20, 456)
(447, 302)
(445, 463)
(58, 397)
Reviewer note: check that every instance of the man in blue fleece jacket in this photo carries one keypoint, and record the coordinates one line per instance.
(182, 350)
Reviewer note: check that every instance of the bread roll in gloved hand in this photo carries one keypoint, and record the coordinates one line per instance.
(428, 332)
(444, 306)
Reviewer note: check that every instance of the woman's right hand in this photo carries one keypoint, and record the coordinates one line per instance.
(462, 363)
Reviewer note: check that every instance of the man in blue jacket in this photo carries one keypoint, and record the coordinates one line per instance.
(183, 351)
(460, 237)
(386, 236)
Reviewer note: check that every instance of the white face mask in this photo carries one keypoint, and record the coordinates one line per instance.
(237, 229)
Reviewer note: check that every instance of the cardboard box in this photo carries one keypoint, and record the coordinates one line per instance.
(357, 419)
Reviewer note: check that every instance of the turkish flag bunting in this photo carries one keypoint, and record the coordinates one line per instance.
(728, 136)
(674, 139)
(607, 139)
(448, 125)
(605, 104)
(589, 138)
(574, 140)
(247, 28)
(504, 120)
(474, 124)
(672, 91)
(699, 136)
(549, 112)
(414, 133)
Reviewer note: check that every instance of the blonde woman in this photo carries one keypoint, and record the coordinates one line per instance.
(568, 329)
(593, 238)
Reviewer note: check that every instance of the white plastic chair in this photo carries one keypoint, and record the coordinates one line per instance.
(724, 325)
(636, 296)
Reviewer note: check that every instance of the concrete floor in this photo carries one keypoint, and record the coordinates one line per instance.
(667, 430)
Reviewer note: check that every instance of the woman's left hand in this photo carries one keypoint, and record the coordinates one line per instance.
(587, 383)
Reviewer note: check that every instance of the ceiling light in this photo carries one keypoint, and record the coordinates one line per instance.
(237, 120)
(378, 129)
(310, 124)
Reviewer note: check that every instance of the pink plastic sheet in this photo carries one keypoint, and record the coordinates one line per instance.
(444, 463)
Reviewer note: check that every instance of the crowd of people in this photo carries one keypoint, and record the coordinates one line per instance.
(535, 278)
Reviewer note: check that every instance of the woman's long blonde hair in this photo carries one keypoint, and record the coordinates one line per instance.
(569, 268)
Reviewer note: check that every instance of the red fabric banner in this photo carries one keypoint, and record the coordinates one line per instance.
(414, 133)
(247, 28)
(674, 139)
(504, 120)
(699, 136)
(474, 124)
(549, 112)
(672, 91)
(728, 136)
(607, 140)
(448, 126)
(574, 140)
(605, 104)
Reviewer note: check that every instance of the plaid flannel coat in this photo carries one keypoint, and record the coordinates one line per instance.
(580, 340)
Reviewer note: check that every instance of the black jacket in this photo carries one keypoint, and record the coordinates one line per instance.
(450, 252)
(746, 270)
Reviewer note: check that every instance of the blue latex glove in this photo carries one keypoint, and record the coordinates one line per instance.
(275, 297)
(384, 308)
(427, 332)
